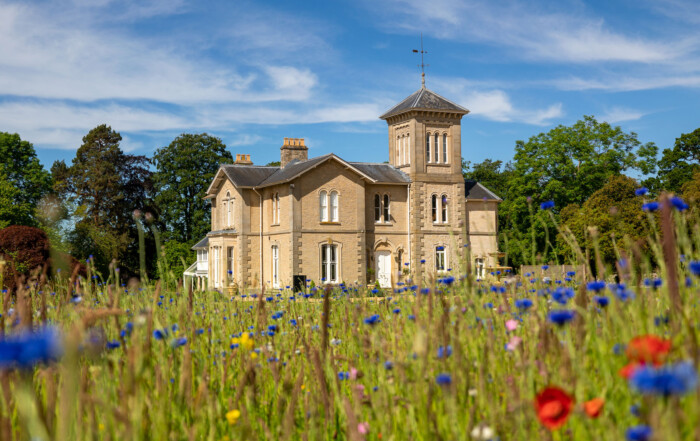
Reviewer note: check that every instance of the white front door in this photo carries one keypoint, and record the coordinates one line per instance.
(383, 259)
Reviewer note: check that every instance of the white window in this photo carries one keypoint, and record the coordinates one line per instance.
(440, 258)
(276, 208)
(324, 206)
(436, 147)
(377, 208)
(386, 208)
(229, 263)
(434, 208)
(443, 205)
(329, 263)
(427, 147)
(228, 209)
(275, 266)
(479, 267)
(444, 148)
(217, 267)
(407, 160)
(334, 206)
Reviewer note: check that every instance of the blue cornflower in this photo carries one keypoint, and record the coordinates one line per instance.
(695, 267)
(159, 334)
(561, 316)
(488, 305)
(444, 351)
(638, 433)
(411, 317)
(293, 322)
(675, 379)
(641, 191)
(562, 295)
(679, 203)
(28, 348)
(114, 344)
(444, 379)
(650, 206)
(372, 320)
(547, 205)
(199, 331)
(397, 311)
(595, 286)
(425, 291)
(571, 273)
(182, 341)
(343, 375)
(523, 304)
(273, 328)
(388, 365)
(545, 267)
(422, 261)
(602, 301)
(653, 283)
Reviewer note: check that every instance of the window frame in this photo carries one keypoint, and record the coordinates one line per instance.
(427, 148)
(377, 208)
(436, 149)
(434, 208)
(330, 258)
(386, 208)
(275, 257)
(445, 155)
(334, 206)
(444, 205)
(440, 258)
(323, 205)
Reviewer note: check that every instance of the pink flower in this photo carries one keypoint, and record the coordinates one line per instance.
(360, 388)
(353, 374)
(511, 325)
(363, 428)
(513, 343)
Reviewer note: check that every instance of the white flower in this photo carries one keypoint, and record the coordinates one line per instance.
(482, 432)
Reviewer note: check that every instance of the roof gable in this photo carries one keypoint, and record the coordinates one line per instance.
(475, 190)
(425, 99)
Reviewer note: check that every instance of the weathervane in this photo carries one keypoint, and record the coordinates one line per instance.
(422, 65)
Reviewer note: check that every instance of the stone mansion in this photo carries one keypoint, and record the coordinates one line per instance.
(332, 220)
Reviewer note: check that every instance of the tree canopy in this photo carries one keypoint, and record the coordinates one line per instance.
(678, 164)
(23, 181)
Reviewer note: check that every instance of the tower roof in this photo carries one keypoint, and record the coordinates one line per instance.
(425, 99)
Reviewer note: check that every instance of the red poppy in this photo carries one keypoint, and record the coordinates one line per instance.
(594, 407)
(553, 407)
(648, 349)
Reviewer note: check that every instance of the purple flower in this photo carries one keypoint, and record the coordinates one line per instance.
(641, 191)
(679, 203)
(638, 433)
(650, 206)
(561, 316)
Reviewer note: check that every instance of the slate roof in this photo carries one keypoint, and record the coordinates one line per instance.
(292, 170)
(474, 190)
(202, 244)
(248, 175)
(424, 99)
(383, 173)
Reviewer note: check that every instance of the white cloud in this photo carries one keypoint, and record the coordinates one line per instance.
(627, 82)
(531, 30)
(496, 105)
(618, 114)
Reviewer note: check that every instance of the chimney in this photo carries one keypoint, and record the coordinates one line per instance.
(293, 148)
(243, 159)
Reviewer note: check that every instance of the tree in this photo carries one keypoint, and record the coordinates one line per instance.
(677, 165)
(566, 165)
(492, 174)
(104, 186)
(616, 213)
(23, 181)
(184, 170)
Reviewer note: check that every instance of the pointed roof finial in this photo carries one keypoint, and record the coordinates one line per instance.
(422, 65)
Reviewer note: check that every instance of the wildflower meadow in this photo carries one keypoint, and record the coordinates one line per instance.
(438, 357)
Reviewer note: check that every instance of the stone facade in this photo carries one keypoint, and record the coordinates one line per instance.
(326, 218)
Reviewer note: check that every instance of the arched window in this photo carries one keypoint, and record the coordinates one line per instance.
(386, 208)
(427, 148)
(407, 160)
(434, 207)
(444, 208)
(334, 206)
(377, 208)
(276, 208)
(444, 148)
(228, 208)
(437, 147)
(324, 206)
(398, 150)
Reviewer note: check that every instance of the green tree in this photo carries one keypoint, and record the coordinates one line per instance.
(104, 186)
(614, 211)
(184, 170)
(677, 165)
(23, 181)
(567, 165)
(494, 175)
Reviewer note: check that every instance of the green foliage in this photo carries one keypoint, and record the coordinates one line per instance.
(174, 253)
(23, 181)
(492, 174)
(677, 165)
(184, 171)
(567, 165)
(273, 164)
(104, 186)
(615, 212)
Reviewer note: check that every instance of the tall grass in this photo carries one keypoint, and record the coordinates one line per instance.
(156, 363)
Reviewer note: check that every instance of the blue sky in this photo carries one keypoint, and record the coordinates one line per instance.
(252, 73)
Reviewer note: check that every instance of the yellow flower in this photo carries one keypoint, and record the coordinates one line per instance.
(303, 386)
(253, 355)
(244, 341)
(100, 427)
(232, 416)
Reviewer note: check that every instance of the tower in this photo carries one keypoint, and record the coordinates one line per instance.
(425, 143)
